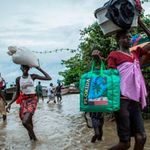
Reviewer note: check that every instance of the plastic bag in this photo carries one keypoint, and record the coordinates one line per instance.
(23, 56)
(121, 12)
(100, 90)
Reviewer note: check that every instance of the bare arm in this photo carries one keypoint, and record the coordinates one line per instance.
(17, 93)
(147, 31)
(45, 77)
(143, 26)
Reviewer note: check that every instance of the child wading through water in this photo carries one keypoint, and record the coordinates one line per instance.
(133, 91)
(96, 119)
(26, 97)
(97, 123)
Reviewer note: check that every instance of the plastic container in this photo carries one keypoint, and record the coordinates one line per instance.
(106, 25)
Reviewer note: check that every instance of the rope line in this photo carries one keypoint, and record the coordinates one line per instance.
(56, 50)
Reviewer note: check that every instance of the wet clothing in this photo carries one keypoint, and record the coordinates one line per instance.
(27, 105)
(132, 82)
(2, 107)
(135, 89)
(27, 85)
(27, 98)
(129, 118)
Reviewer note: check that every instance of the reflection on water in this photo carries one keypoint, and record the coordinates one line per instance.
(58, 127)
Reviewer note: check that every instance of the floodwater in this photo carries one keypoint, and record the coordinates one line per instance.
(58, 127)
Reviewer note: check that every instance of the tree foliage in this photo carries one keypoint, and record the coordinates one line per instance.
(91, 38)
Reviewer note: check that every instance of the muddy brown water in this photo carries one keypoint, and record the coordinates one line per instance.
(58, 127)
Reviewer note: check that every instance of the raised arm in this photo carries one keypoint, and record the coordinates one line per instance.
(17, 93)
(147, 31)
(45, 77)
(143, 26)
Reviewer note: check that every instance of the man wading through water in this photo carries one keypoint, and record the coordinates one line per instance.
(26, 97)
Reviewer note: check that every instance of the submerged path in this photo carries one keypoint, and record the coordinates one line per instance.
(58, 127)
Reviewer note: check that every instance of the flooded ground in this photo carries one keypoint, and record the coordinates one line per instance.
(58, 127)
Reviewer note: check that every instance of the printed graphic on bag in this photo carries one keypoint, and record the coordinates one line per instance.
(95, 92)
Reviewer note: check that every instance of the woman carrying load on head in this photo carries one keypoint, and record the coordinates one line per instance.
(26, 97)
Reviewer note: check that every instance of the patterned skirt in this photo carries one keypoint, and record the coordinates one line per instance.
(27, 105)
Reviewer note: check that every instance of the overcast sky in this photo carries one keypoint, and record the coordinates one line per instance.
(43, 25)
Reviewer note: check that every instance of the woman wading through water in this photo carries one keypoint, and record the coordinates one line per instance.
(26, 96)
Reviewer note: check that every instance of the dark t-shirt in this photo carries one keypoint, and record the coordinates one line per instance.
(58, 89)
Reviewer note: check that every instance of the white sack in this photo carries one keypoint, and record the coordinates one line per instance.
(23, 56)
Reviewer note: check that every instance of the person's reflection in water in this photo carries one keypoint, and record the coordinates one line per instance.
(59, 106)
(3, 135)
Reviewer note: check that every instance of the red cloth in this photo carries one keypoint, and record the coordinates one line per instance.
(27, 105)
(116, 58)
(23, 97)
(19, 99)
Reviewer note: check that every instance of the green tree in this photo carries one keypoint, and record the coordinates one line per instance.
(73, 69)
(91, 38)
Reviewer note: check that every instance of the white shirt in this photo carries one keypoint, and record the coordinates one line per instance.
(27, 85)
(49, 90)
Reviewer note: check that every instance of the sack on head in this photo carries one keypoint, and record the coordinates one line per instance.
(23, 56)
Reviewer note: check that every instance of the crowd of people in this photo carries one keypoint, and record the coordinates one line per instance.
(51, 91)
(132, 100)
(27, 96)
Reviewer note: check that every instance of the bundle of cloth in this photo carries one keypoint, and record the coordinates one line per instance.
(23, 56)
